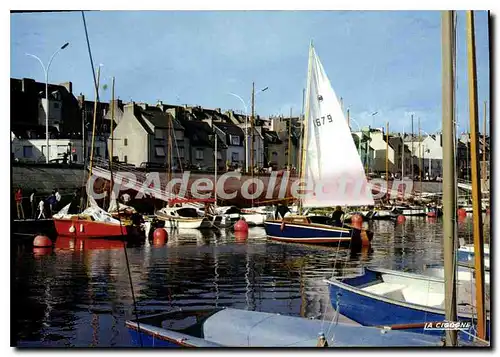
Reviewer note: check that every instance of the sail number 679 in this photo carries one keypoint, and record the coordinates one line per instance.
(321, 121)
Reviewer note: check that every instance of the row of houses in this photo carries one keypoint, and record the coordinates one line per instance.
(139, 133)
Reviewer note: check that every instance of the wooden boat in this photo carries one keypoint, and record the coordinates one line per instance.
(410, 211)
(182, 217)
(93, 222)
(387, 297)
(227, 327)
(325, 131)
(303, 229)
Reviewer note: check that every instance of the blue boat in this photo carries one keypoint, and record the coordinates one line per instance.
(386, 297)
(302, 229)
(227, 327)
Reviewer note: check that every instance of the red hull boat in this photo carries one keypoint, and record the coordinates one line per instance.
(84, 228)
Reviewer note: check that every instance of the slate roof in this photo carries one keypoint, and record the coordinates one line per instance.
(271, 136)
(156, 118)
(230, 128)
(199, 133)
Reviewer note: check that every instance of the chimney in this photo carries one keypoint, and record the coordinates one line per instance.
(27, 84)
(68, 86)
(129, 108)
(81, 100)
(172, 112)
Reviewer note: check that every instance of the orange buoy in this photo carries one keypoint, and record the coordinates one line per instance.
(241, 226)
(42, 241)
(401, 218)
(160, 236)
(241, 236)
(461, 212)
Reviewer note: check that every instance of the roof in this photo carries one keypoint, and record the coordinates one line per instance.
(199, 133)
(271, 136)
(159, 119)
(32, 131)
(229, 128)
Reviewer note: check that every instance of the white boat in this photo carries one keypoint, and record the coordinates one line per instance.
(465, 253)
(182, 217)
(255, 216)
(410, 211)
(227, 327)
(464, 273)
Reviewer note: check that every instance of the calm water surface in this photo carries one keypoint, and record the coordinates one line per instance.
(79, 294)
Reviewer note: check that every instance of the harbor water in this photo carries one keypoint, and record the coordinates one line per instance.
(79, 294)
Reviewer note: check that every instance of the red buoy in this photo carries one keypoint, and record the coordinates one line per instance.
(461, 212)
(42, 241)
(241, 226)
(160, 236)
(241, 236)
(401, 218)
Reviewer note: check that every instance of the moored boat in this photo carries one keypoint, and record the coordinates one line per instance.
(302, 229)
(228, 327)
(182, 217)
(386, 297)
(93, 222)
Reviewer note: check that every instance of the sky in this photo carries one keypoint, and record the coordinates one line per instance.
(388, 62)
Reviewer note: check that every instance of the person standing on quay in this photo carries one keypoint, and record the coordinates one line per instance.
(19, 203)
(41, 207)
(58, 198)
(33, 204)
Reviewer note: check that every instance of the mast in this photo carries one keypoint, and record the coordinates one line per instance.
(306, 119)
(289, 163)
(412, 141)
(387, 160)
(484, 148)
(403, 156)
(301, 136)
(449, 198)
(420, 154)
(111, 181)
(93, 130)
(252, 119)
(476, 179)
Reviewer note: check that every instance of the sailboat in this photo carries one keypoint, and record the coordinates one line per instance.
(381, 296)
(338, 181)
(93, 222)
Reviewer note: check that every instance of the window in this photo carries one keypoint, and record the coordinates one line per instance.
(98, 151)
(27, 151)
(235, 156)
(235, 140)
(275, 155)
(56, 105)
(125, 142)
(219, 156)
(199, 154)
(125, 159)
(179, 153)
(159, 151)
(160, 134)
(179, 135)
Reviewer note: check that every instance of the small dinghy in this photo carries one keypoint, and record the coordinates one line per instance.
(227, 327)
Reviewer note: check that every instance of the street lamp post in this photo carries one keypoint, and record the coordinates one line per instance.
(246, 122)
(46, 72)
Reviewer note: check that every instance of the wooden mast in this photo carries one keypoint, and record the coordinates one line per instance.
(306, 119)
(484, 148)
(93, 132)
(387, 160)
(111, 181)
(449, 182)
(289, 162)
(476, 187)
(420, 156)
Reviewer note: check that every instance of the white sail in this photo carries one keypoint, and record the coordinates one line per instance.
(333, 167)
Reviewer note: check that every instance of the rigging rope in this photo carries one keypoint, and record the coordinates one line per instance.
(124, 243)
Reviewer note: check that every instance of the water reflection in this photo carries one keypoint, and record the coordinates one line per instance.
(78, 294)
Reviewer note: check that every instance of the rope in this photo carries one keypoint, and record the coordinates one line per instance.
(124, 243)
